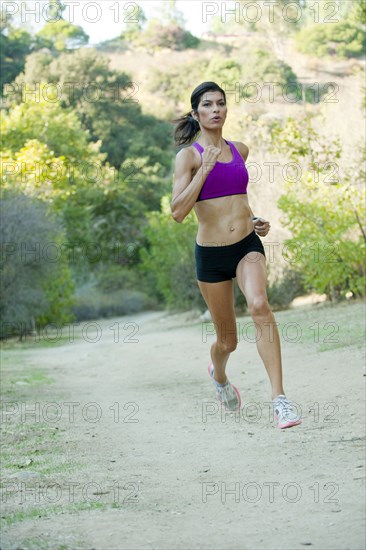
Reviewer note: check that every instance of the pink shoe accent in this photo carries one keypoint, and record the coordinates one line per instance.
(288, 424)
(210, 369)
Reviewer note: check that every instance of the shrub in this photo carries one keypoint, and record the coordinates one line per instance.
(284, 290)
(34, 287)
(226, 72)
(172, 36)
(341, 39)
(169, 84)
(169, 258)
(263, 66)
(91, 303)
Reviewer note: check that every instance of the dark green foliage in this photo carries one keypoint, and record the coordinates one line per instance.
(169, 83)
(342, 39)
(263, 66)
(106, 101)
(283, 291)
(328, 246)
(169, 258)
(35, 280)
(61, 35)
(15, 45)
(226, 72)
(260, 66)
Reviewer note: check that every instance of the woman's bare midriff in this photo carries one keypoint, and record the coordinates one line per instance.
(223, 220)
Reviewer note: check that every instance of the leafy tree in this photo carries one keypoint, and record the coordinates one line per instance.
(58, 34)
(133, 29)
(357, 13)
(169, 13)
(36, 68)
(227, 72)
(15, 45)
(301, 141)
(56, 9)
(166, 30)
(60, 129)
(107, 103)
(34, 288)
(62, 35)
(171, 35)
(324, 215)
(169, 83)
(330, 258)
(64, 169)
(101, 207)
(260, 66)
(342, 39)
(354, 12)
(263, 66)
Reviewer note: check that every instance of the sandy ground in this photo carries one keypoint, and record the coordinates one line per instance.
(171, 470)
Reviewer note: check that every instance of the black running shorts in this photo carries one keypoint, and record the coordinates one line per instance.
(219, 263)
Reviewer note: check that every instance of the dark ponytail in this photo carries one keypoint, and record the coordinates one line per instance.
(187, 127)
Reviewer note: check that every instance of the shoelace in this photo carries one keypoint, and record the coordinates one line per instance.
(284, 405)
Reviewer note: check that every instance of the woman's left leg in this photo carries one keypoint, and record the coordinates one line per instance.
(251, 276)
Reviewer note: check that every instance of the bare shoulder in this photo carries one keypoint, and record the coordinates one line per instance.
(242, 148)
(186, 153)
(188, 157)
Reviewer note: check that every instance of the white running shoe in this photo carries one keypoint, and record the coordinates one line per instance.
(285, 413)
(227, 394)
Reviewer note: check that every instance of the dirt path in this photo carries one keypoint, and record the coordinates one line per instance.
(170, 469)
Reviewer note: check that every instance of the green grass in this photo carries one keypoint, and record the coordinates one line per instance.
(53, 468)
(48, 511)
(42, 467)
(17, 377)
(44, 544)
(35, 378)
(32, 439)
(35, 342)
(20, 442)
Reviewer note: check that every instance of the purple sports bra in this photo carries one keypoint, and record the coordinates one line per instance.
(226, 178)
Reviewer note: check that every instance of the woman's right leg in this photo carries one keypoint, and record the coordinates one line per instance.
(219, 298)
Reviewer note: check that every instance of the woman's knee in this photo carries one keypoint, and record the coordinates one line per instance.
(259, 306)
(226, 345)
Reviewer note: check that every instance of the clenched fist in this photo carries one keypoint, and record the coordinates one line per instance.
(261, 226)
(210, 156)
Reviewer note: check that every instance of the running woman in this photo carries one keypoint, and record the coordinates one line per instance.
(211, 176)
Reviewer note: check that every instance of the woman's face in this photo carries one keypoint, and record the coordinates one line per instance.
(212, 110)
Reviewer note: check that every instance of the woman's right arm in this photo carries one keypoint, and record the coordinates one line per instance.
(186, 189)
